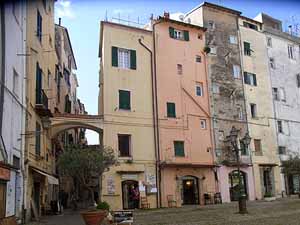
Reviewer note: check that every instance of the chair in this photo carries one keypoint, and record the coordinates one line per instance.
(218, 198)
(171, 201)
(144, 203)
(207, 199)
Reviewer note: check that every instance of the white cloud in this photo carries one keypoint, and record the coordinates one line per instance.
(64, 10)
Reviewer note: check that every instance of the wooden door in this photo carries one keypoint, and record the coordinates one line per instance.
(2, 199)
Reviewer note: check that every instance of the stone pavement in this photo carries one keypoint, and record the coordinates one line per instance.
(280, 212)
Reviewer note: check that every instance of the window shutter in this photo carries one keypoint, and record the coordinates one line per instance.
(298, 80)
(245, 78)
(171, 112)
(124, 99)
(171, 32)
(186, 35)
(254, 80)
(38, 23)
(114, 55)
(179, 148)
(246, 46)
(133, 59)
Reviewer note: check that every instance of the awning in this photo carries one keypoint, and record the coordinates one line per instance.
(51, 179)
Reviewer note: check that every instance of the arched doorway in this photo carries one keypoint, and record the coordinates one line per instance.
(190, 190)
(234, 184)
(130, 194)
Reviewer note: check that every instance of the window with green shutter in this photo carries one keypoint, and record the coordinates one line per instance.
(186, 35)
(171, 111)
(171, 32)
(179, 148)
(124, 99)
(133, 59)
(247, 49)
(114, 56)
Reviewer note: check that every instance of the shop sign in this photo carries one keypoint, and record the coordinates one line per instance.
(129, 177)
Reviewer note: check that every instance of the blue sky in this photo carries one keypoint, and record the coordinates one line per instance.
(82, 18)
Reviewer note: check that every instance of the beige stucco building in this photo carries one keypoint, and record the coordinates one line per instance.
(259, 105)
(125, 102)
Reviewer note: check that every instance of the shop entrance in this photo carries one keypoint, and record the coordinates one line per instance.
(130, 194)
(267, 181)
(190, 190)
(2, 199)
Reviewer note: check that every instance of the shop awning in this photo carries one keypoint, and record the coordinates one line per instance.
(51, 179)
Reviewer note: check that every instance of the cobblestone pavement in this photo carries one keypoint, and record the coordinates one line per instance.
(280, 212)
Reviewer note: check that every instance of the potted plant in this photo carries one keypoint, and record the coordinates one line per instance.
(96, 216)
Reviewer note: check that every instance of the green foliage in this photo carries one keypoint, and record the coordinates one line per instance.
(206, 49)
(85, 162)
(291, 166)
(268, 195)
(103, 206)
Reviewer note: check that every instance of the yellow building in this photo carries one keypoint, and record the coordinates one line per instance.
(258, 95)
(40, 183)
(125, 102)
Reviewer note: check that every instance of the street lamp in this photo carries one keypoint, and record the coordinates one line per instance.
(245, 141)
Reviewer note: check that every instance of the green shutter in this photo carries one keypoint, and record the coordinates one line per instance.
(171, 32)
(133, 59)
(124, 99)
(171, 111)
(254, 80)
(246, 45)
(114, 56)
(179, 148)
(186, 35)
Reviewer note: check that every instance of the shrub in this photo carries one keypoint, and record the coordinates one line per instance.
(103, 206)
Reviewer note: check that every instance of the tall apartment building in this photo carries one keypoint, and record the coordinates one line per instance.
(283, 59)
(226, 93)
(259, 105)
(12, 107)
(186, 157)
(126, 104)
(40, 182)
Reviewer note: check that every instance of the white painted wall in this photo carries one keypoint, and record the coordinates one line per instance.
(14, 102)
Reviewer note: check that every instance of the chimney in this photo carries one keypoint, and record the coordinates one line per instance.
(59, 21)
(167, 15)
(290, 29)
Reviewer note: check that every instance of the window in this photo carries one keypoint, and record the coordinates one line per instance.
(253, 110)
(199, 89)
(198, 58)
(221, 135)
(213, 50)
(38, 139)
(200, 36)
(250, 25)
(179, 69)
(203, 124)
(179, 148)
(250, 78)
(244, 149)
(257, 147)
(216, 88)
(49, 79)
(124, 100)
(272, 63)
(240, 113)
(281, 150)
(247, 49)
(275, 94)
(179, 34)
(236, 71)
(211, 25)
(269, 42)
(16, 162)
(291, 51)
(232, 39)
(123, 58)
(279, 126)
(124, 145)
(298, 80)
(282, 94)
(15, 83)
(171, 110)
(39, 26)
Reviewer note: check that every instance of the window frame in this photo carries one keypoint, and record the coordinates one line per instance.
(179, 69)
(123, 62)
(198, 59)
(122, 105)
(257, 143)
(247, 51)
(236, 69)
(254, 111)
(16, 84)
(199, 86)
(129, 151)
(203, 125)
(291, 51)
(173, 107)
(176, 143)
(280, 126)
(233, 39)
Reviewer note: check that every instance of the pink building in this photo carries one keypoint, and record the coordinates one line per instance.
(185, 142)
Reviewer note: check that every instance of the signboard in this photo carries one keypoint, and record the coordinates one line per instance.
(4, 173)
(129, 177)
(111, 186)
(123, 217)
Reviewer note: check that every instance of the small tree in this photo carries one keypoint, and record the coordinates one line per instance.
(291, 167)
(85, 162)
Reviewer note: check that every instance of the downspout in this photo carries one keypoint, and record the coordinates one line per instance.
(154, 119)
(2, 81)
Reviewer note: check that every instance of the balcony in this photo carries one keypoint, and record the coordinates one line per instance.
(41, 104)
(229, 159)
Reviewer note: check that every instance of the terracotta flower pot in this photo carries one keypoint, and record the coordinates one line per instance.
(93, 217)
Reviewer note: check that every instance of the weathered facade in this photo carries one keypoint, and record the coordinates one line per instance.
(226, 93)
(283, 58)
(259, 105)
(186, 156)
(125, 102)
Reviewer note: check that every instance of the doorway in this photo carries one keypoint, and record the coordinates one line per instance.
(267, 181)
(36, 196)
(130, 194)
(190, 190)
(234, 185)
(2, 199)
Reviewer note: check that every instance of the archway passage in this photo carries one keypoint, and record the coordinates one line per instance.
(234, 184)
(130, 194)
(190, 190)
